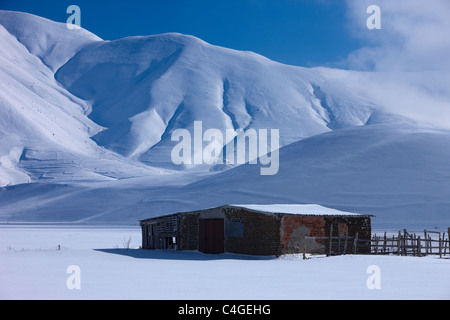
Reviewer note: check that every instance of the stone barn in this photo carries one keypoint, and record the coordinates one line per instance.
(254, 229)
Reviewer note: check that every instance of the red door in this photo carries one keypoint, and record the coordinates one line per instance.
(211, 237)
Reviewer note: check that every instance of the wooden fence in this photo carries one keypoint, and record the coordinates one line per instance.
(414, 244)
(402, 243)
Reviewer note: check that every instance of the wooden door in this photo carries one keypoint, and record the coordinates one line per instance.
(211, 236)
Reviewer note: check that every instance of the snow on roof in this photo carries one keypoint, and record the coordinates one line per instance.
(295, 209)
(299, 209)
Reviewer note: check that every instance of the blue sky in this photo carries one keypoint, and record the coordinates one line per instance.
(298, 32)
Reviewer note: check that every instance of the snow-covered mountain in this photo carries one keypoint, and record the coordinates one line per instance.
(144, 88)
(86, 124)
(44, 129)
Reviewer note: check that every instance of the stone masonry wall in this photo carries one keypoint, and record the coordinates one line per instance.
(188, 228)
(261, 234)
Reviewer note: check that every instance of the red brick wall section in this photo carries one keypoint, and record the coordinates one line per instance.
(292, 223)
(342, 228)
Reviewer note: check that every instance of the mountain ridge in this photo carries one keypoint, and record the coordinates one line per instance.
(86, 125)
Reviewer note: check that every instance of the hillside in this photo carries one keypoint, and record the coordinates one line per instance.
(86, 126)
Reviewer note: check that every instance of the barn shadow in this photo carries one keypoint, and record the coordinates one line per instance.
(180, 255)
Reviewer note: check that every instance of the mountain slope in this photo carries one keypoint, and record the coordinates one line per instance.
(52, 42)
(86, 125)
(45, 134)
(398, 174)
(144, 88)
(35, 111)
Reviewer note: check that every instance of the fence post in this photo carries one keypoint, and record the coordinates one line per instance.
(339, 243)
(376, 243)
(331, 240)
(448, 241)
(355, 246)
(304, 249)
(419, 247)
(346, 239)
(404, 242)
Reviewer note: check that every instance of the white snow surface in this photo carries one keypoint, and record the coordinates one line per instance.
(50, 41)
(296, 209)
(34, 268)
(85, 130)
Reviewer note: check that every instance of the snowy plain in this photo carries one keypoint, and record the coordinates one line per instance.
(34, 267)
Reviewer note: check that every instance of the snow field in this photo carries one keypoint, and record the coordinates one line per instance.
(34, 268)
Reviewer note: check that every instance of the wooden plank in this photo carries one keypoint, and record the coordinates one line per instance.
(346, 239)
(209, 236)
(218, 236)
(425, 236)
(448, 241)
(339, 243)
(331, 240)
(419, 247)
(376, 245)
(304, 248)
(202, 236)
(404, 241)
(144, 236)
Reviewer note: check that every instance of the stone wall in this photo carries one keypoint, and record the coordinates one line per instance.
(188, 228)
(261, 233)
